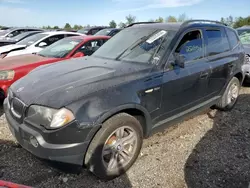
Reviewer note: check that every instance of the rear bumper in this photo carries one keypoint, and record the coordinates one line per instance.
(32, 140)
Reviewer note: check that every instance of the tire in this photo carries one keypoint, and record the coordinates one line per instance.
(224, 104)
(106, 136)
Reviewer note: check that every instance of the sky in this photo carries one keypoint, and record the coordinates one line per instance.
(100, 12)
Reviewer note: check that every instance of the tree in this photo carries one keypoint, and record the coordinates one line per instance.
(55, 27)
(77, 27)
(112, 24)
(183, 17)
(122, 25)
(222, 20)
(151, 20)
(67, 26)
(239, 22)
(130, 19)
(171, 19)
(160, 19)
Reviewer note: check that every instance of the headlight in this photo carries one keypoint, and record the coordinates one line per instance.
(7, 75)
(48, 117)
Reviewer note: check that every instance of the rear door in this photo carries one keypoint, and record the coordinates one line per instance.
(220, 59)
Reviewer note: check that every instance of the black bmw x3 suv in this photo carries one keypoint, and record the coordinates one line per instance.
(95, 111)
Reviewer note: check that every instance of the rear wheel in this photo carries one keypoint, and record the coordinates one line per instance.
(115, 147)
(230, 96)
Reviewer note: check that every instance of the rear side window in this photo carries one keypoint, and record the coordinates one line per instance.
(233, 38)
(217, 42)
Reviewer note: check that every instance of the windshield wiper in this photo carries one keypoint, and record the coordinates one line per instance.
(131, 47)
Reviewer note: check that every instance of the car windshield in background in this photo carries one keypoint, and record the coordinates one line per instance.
(245, 37)
(32, 39)
(242, 31)
(60, 48)
(140, 45)
(103, 32)
(84, 31)
(2, 33)
(20, 36)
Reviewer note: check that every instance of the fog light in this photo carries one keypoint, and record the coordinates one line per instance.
(33, 141)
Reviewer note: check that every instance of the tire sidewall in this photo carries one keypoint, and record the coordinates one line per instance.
(95, 161)
(226, 106)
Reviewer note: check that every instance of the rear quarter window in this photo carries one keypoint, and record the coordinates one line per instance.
(233, 38)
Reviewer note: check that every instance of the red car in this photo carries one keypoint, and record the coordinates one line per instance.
(13, 68)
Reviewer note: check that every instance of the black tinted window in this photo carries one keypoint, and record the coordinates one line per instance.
(52, 39)
(233, 39)
(90, 47)
(217, 42)
(191, 46)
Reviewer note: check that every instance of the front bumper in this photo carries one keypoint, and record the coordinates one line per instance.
(31, 140)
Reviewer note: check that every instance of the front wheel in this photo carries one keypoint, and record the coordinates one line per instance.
(230, 96)
(115, 147)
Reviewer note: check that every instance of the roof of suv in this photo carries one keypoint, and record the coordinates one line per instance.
(177, 25)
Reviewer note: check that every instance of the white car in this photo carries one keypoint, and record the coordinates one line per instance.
(34, 43)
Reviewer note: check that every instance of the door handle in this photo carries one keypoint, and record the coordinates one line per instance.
(204, 75)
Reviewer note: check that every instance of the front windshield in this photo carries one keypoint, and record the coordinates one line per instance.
(20, 36)
(136, 44)
(84, 31)
(244, 36)
(32, 39)
(61, 48)
(103, 32)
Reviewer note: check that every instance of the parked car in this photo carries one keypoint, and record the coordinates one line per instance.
(91, 30)
(244, 34)
(14, 40)
(95, 111)
(71, 47)
(4, 28)
(108, 32)
(34, 43)
(12, 32)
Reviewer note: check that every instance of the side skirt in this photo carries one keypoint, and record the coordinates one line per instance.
(196, 110)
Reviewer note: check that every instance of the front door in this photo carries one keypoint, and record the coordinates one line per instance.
(186, 87)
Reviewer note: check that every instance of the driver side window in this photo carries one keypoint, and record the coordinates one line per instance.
(191, 46)
(89, 47)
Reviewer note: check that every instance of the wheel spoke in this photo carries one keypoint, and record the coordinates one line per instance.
(120, 132)
(106, 150)
(125, 154)
(128, 139)
(113, 161)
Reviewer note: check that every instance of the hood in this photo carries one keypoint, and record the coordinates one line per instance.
(11, 63)
(9, 48)
(28, 50)
(247, 48)
(59, 84)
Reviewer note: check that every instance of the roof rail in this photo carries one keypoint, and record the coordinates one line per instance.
(208, 21)
(137, 23)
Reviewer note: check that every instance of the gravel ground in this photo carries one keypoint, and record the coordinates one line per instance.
(210, 150)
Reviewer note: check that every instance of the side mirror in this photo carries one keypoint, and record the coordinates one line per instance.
(10, 35)
(42, 44)
(179, 60)
(78, 54)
